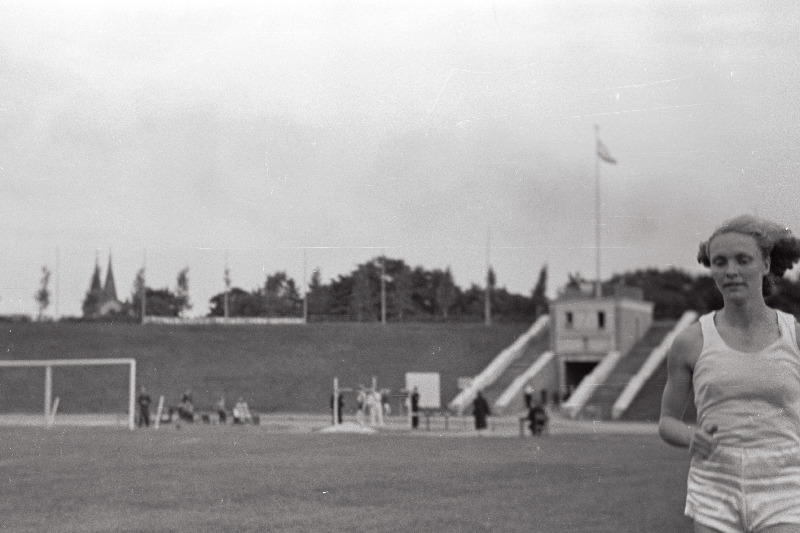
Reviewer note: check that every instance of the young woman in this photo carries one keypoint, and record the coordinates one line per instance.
(743, 365)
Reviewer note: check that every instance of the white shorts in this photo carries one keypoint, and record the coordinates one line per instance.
(745, 489)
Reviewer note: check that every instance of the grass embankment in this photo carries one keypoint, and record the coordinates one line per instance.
(275, 368)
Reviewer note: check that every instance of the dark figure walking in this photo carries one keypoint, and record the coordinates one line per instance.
(415, 409)
(480, 410)
(340, 407)
(143, 401)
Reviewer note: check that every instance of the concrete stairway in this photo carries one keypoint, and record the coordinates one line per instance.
(535, 348)
(601, 402)
(646, 407)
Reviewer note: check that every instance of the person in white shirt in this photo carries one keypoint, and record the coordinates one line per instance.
(742, 363)
(241, 412)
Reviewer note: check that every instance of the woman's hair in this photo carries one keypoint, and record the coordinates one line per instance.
(774, 241)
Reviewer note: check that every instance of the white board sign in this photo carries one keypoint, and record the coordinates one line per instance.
(427, 384)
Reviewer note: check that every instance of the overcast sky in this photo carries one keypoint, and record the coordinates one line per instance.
(193, 134)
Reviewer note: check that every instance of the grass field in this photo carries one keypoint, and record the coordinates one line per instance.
(265, 478)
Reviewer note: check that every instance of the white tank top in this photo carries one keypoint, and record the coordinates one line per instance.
(753, 398)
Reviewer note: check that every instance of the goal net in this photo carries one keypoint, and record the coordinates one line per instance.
(68, 391)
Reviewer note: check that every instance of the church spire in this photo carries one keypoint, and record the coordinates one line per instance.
(92, 299)
(110, 288)
(95, 287)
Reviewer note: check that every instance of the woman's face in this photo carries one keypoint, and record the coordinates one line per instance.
(737, 266)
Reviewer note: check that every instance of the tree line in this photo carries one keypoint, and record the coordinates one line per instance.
(390, 286)
(377, 287)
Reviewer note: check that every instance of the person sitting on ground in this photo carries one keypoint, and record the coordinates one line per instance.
(186, 407)
(241, 412)
(537, 416)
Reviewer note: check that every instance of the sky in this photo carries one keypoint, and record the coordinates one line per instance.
(295, 135)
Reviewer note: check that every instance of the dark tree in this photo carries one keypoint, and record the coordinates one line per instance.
(318, 296)
(361, 300)
(402, 303)
(43, 294)
(161, 302)
(281, 297)
(182, 290)
(446, 292)
(539, 301)
(240, 303)
(135, 304)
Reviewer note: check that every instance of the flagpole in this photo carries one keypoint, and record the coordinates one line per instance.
(487, 297)
(597, 289)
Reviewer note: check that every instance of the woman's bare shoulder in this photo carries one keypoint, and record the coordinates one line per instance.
(688, 344)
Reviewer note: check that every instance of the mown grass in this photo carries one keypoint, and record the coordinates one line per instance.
(278, 368)
(213, 478)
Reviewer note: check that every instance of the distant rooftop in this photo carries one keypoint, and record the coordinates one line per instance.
(585, 290)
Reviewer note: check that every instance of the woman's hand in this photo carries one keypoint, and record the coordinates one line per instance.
(702, 443)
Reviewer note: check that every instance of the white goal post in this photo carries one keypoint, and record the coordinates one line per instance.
(48, 365)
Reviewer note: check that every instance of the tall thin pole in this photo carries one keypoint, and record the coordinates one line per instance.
(58, 275)
(144, 285)
(383, 287)
(132, 395)
(227, 286)
(487, 299)
(335, 401)
(597, 289)
(48, 390)
(305, 289)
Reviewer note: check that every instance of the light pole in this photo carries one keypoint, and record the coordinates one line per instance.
(383, 289)
(144, 286)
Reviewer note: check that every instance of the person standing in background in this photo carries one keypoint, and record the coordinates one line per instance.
(335, 411)
(528, 397)
(414, 400)
(481, 411)
(361, 404)
(143, 402)
(222, 413)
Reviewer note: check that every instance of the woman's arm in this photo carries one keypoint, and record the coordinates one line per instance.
(680, 366)
(677, 393)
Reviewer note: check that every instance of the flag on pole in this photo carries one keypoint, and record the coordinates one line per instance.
(602, 153)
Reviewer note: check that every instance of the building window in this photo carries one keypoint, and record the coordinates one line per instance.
(601, 320)
(570, 322)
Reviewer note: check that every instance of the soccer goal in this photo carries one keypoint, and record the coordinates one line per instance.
(77, 390)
